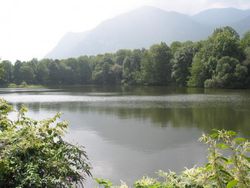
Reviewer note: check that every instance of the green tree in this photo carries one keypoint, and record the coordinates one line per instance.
(245, 41)
(131, 67)
(27, 74)
(85, 70)
(42, 74)
(226, 42)
(182, 62)
(6, 72)
(33, 65)
(33, 153)
(197, 71)
(229, 73)
(175, 46)
(127, 70)
(120, 55)
(16, 72)
(117, 73)
(103, 73)
(55, 76)
(1, 74)
(246, 63)
(156, 65)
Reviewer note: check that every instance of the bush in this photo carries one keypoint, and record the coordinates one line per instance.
(228, 166)
(33, 153)
(23, 84)
(12, 85)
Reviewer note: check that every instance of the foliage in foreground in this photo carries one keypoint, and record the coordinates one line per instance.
(228, 166)
(33, 154)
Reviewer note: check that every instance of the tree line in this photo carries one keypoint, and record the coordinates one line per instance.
(220, 61)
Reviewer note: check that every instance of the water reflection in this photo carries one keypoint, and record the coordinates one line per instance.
(130, 132)
(231, 115)
(129, 148)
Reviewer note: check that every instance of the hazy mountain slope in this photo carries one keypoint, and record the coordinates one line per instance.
(66, 44)
(145, 26)
(136, 29)
(221, 16)
(243, 25)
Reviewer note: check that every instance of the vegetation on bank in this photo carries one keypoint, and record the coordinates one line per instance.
(24, 85)
(228, 167)
(34, 154)
(221, 61)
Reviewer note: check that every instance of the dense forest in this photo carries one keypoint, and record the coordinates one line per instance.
(221, 61)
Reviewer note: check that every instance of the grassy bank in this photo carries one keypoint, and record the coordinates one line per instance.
(24, 85)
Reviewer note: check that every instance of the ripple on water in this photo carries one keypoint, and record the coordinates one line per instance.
(183, 100)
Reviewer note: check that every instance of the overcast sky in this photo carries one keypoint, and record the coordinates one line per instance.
(31, 28)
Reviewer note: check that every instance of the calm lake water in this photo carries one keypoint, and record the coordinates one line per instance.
(132, 132)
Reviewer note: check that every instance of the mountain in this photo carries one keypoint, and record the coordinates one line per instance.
(68, 41)
(136, 29)
(243, 25)
(221, 16)
(145, 26)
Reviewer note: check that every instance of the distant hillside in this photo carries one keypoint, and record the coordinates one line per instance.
(243, 25)
(68, 41)
(145, 26)
(136, 29)
(221, 16)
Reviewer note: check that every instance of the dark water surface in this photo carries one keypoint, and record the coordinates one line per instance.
(131, 132)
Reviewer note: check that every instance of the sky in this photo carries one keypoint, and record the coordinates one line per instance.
(31, 28)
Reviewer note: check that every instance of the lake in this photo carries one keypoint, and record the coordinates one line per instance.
(135, 131)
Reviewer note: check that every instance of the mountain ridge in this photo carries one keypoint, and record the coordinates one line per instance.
(143, 27)
(226, 16)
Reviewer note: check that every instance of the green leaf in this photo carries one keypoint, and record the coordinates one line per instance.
(225, 173)
(240, 140)
(223, 158)
(49, 131)
(232, 184)
(222, 146)
(214, 134)
(231, 133)
(247, 158)
(106, 183)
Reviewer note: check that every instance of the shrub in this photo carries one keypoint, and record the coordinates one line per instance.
(33, 153)
(228, 166)
(23, 84)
